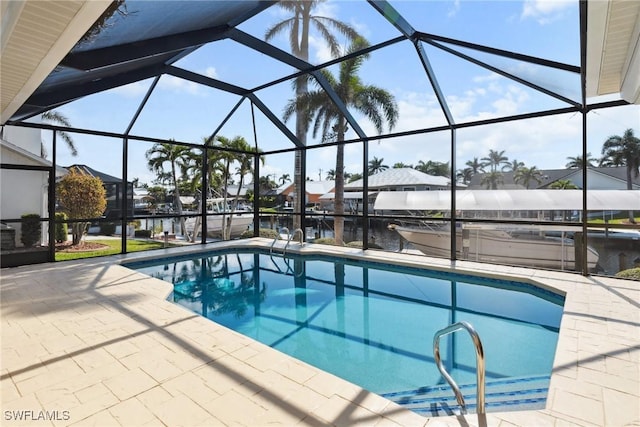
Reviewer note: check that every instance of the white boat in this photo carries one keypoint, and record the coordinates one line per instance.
(526, 246)
(240, 220)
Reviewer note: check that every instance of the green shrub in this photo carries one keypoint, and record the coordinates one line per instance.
(31, 229)
(263, 232)
(358, 244)
(632, 274)
(62, 228)
(143, 233)
(107, 228)
(325, 241)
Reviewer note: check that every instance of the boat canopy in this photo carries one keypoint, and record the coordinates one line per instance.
(509, 200)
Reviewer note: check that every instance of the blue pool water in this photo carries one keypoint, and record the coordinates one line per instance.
(372, 324)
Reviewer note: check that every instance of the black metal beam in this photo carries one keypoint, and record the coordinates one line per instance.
(46, 100)
(424, 59)
(499, 52)
(268, 49)
(206, 81)
(285, 57)
(503, 73)
(107, 56)
(275, 120)
(394, 17)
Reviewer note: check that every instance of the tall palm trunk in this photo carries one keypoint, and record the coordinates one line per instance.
(176, 194)
(338, 221)
(301, 124)
(632, 218)
(225, 196)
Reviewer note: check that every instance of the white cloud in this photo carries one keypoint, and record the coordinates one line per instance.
(211, 72)
(454, 9)
(545, 11)
(132, 90)
(176, 84)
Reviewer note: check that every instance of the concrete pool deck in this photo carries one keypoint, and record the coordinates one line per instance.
(91, 342)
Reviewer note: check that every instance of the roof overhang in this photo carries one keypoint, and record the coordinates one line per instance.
(613, 49)
(36, 35)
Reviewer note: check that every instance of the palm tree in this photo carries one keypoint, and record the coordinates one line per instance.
(492, 180)
(285, 178)
(401, 165)
(59, 118)
(512, 166)
(464, 175)
(577, 162)
(434, 168)
(351, 177)
(298, 26)
(241, 154)
(624, 151)
(177, 157)
(475, 165)
(525, 175)
(331, 175)
(495, 159)
(375, 103)
(375, 166)
(563, 184)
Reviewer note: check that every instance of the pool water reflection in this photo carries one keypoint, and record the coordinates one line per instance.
(369, 323)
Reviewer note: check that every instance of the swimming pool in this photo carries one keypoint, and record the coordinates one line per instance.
(373, 323)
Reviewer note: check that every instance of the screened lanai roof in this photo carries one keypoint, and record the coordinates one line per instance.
(137, 40)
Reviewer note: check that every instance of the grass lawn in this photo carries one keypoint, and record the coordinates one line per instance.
(109, 247)
(614, 221)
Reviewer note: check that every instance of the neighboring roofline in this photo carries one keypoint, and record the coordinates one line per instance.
(600, 171)
(31, 156)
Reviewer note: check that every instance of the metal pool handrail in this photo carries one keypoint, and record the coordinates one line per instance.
(283, 229)
(480, 371)
(293, 236)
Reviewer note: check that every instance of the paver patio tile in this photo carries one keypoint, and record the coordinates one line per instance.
(191, 385)
(21, 411)
(8, 390)
(620, 409)
(580, 407)
(596, 367)
(154, 397)
(99, 419)
(181, 411)
(337, 411)
(130, 383)
(161, 370)
(132, 412)
(94, 391)
(93, 359)
(235, 408)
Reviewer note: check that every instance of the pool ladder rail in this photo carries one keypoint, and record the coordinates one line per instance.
(290, 237)
(480, 369)
(282, 230)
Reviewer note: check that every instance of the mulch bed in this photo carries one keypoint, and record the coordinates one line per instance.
(82, 247)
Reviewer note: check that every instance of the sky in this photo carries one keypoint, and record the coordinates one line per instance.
(189, 112)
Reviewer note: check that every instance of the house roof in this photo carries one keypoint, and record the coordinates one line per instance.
(29, 157)
(319, 187)
(398, 177)
(86, 170)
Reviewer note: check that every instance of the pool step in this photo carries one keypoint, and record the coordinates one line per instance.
(507, 394)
